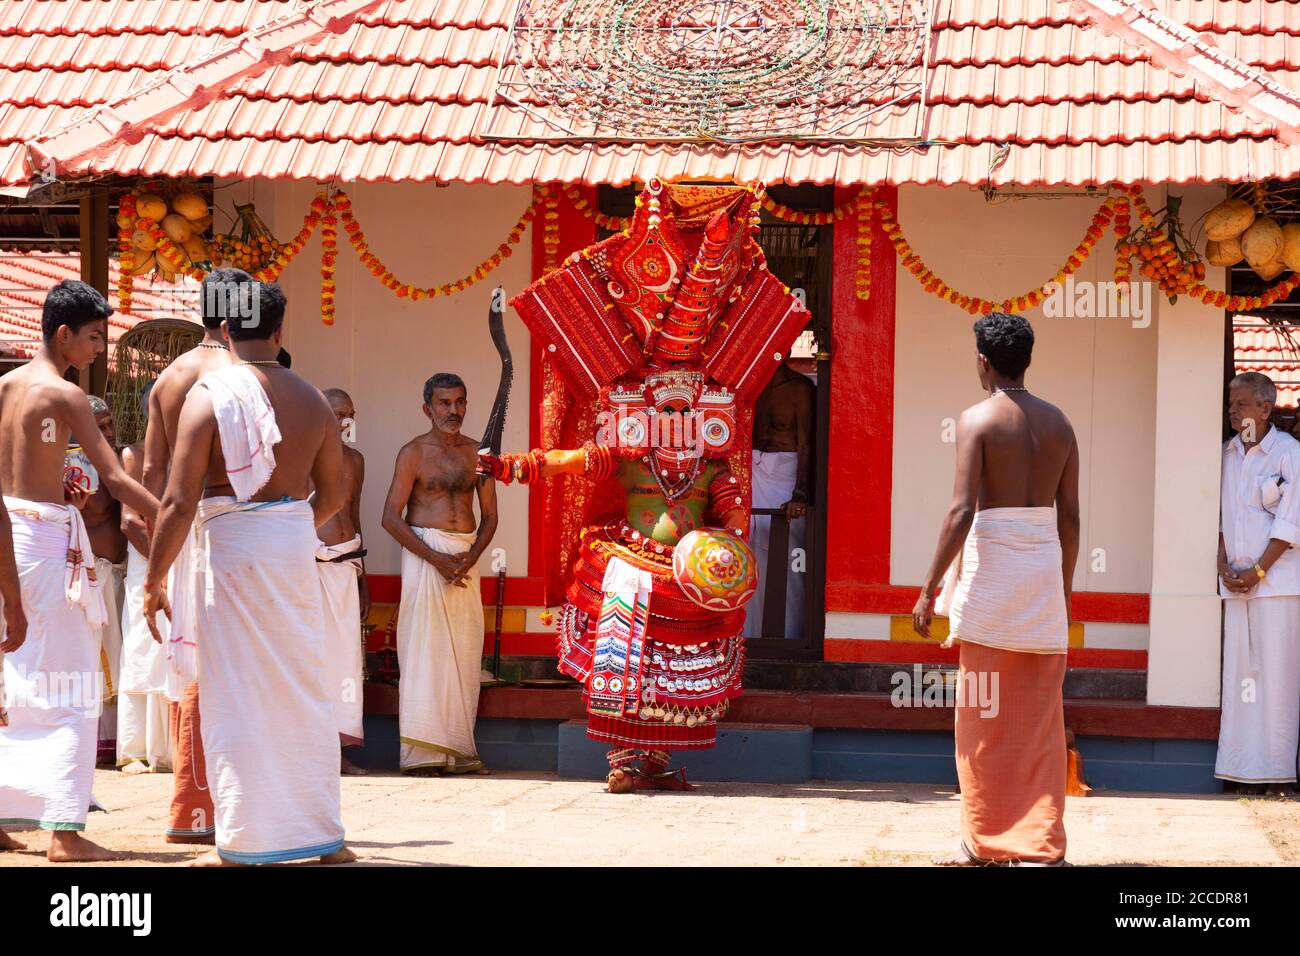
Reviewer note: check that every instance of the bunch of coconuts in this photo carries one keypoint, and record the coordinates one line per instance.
(1235, 231)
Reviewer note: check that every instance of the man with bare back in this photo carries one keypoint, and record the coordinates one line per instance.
(190, 819)
(440, 618)
(47, 752)
(341, 564)
(1009, 544)
(252, 442)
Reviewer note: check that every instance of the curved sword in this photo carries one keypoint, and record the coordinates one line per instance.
(497, 418)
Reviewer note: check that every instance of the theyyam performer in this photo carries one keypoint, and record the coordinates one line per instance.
(253, 439)
(47, 751)
(663, 336)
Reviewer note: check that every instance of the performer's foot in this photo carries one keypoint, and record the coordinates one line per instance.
(67, 846)
(8, 843)
(349, 769)
(203, 839)
(135, 767)
(620, 781)
(211, 858)
(339, 856)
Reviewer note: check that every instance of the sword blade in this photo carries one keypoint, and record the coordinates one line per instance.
(497, 417)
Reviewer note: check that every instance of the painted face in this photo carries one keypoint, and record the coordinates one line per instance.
(83, 346)
(446, 409)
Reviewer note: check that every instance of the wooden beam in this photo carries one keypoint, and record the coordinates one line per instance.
(94, 271)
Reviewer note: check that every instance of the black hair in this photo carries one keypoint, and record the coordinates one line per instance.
(72, 303)
(1006, 341)
(226, 294)
(265, 320)
(442, 380)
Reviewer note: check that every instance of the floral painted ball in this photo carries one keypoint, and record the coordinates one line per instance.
(716, 569)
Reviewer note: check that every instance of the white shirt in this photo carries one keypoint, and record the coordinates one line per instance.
(1260, 500)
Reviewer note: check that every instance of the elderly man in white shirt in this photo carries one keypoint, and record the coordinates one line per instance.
(1259, 579)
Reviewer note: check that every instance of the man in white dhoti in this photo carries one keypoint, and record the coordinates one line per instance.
(341, 564)
(254, 438)
(440, 618)
(1259, 578)
(53, 681)
(143, 732)
(780, 478)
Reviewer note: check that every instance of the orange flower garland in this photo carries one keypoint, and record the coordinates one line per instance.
(271, 271)
(405, 290)
(329, 254)
(550, 227)
(125, 252)
(864, 205)
(845, 209)
(612, 223)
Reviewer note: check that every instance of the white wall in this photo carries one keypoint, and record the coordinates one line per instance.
(382, 348)
(1100, 371)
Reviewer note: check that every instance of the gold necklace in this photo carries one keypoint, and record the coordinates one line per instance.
(210, 345)
(260, 362)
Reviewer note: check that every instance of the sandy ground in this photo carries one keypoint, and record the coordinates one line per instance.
(535, 819)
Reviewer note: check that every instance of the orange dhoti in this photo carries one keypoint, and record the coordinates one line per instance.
(1010, 734)
(192, 817)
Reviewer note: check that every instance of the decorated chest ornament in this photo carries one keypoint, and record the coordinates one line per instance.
(678, 313)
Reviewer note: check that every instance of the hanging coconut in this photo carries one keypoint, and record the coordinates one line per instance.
(1262, 242)
(1291, 246)
(142, 261)
(178, 228)
(143, 239)
(151, 206)
(1229, 218)
(1225, 252)
(190, 205)
(1270, 270)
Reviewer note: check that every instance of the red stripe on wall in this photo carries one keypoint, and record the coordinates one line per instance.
(860, 651)
(861, 454)
(1090, 607)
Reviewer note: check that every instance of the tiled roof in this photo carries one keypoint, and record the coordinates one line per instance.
(1023, 90)
(1258, 347)
(26, 277)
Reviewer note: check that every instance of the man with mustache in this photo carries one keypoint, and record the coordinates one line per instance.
(440, 618)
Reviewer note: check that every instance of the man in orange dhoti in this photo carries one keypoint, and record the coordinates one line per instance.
(192, 816)
(1008, 546)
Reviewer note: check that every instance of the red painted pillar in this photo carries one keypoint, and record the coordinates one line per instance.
(576, 231)
(861, 438)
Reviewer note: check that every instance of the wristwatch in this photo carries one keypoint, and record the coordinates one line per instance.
(1260, 571)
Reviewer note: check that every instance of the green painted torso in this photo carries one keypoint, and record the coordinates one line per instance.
(649, 512)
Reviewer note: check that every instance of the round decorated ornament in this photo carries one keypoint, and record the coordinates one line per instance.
(716, 569)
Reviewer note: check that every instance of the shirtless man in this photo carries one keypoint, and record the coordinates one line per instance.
(781, 475)
(190, 819)
(103, 516)
(341, 562)
(268, 724)
(47, 753)
(440, 618)
(1014, 516)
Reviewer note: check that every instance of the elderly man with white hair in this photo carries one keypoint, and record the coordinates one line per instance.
(1259, 579)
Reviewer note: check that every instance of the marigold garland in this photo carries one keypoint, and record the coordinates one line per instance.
(406, 290)
(863, 206)
(550, 227)
(328, 258)
(125, 252)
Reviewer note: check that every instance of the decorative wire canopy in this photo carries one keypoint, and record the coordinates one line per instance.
(721, 70)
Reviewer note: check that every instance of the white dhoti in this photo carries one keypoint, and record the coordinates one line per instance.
(143, 732)
(342, 603)
(264, 697)
(182, 648)
(774, 476)
(1259, 727)
(440, 654)
(53, 682)
(109, 577)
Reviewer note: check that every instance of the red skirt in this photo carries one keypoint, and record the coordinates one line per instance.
(692, 658)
